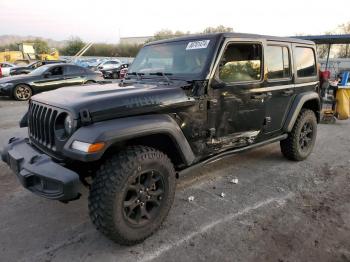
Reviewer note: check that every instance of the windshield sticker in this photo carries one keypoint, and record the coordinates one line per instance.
(197, 44)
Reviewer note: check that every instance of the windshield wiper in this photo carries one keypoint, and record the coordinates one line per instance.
(138, 75)
(163, 75)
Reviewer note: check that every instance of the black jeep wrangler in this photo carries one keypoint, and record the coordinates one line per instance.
(185, 102)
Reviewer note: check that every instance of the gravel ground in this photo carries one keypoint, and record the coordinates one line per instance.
(279, 210)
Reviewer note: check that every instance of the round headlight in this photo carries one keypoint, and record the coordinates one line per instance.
(68, 125)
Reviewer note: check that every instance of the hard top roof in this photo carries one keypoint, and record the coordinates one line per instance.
(233, 35)
(328, 39)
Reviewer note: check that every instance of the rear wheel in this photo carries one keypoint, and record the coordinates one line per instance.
(132, 194)
(301, 140)
(22, 92)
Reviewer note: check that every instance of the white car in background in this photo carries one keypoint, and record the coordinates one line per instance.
(6, 67)
(109, 64)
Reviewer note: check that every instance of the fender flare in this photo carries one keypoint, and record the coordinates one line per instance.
(122, 129)
(297, 105)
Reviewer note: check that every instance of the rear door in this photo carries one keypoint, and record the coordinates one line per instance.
(279, 84)
(74, 75)
(306, 73)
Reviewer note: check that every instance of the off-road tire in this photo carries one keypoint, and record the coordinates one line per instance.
(22, 92)
(290, 147)
(110, 185)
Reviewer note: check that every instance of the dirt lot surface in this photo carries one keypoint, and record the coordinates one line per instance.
(279, 210)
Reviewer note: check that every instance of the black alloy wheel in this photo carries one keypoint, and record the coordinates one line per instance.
(143, 198)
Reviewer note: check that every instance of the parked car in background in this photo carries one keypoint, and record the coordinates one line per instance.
(114, 73)
(109, 64)
(5, 68)
(20, 70)
(46, 78)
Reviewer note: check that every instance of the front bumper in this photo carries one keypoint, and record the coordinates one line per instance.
(5, 91)
(39, 173)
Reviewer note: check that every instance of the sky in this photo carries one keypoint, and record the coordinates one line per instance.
(107, 20)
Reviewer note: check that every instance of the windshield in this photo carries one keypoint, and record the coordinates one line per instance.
(31, 64)
(180, 58)
(39, 70)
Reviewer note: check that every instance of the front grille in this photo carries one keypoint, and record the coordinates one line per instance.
(41, 124)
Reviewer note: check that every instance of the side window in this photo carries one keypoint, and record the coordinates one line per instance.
(277, 61)
(74, 70)
(305, 62)
(56, 71)
(241, 62)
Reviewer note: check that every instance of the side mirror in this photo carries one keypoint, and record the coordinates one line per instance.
(47, 74)
(218, 85)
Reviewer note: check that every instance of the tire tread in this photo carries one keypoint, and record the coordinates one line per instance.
(110, 178)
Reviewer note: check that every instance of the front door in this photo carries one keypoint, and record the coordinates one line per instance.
(236, 108)
(51, 81)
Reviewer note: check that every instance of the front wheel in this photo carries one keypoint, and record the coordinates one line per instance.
(22, 92)
(301, 140)
(132, 194)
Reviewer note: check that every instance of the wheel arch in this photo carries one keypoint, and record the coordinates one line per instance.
(163, 142)
(308, 100)
(90, 81)
(158, 131)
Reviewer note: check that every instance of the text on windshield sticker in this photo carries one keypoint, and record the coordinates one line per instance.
(197, 44)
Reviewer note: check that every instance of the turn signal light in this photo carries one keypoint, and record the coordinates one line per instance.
(87, 147)
(96, 147)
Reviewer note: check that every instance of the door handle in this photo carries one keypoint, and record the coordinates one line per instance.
(287, 92)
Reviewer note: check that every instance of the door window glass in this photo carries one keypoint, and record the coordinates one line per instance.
(56, 71)
(277, 61)
(241, 62)
(305, 62)
(74, 70)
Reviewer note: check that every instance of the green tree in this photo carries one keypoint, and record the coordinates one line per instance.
(167, 34)
(40, 46)
(344, 51)
(74, 45)
(10, 47)
(218, 29)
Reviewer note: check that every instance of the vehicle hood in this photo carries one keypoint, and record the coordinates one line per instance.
(18, 78)
(109, 101)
